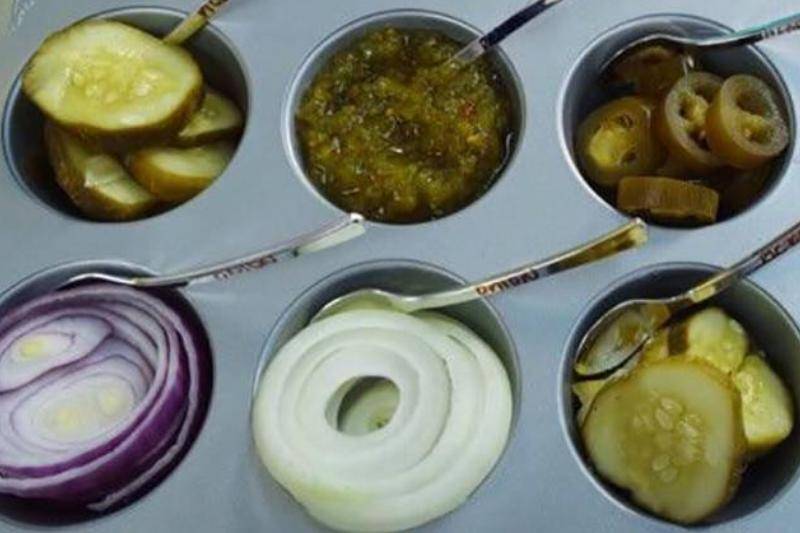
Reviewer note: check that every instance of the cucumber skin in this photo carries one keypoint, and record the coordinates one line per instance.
(122, 140)
(83, 199)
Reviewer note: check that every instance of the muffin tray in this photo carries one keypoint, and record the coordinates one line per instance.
(539, 206)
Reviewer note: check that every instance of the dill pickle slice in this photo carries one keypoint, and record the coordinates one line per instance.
(767, 408)
(657, 347)
(671, 433)
(745, 125)
(96, 182)
(619, 140)
(113, 85)
(653, 70)
(681, 120)
(217, 119)
(713, 336)
(668, 200)
(586, 391)
(177, 174)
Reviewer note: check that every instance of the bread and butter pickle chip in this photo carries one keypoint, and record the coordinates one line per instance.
(745, 125)
(217, 119)
(713, 336)
(96, 182)
(652, 70)
(113, 85)
(619, 140)
(667, 200)
(671, 433)
(681, 120)
(767, 408)
(177, 174)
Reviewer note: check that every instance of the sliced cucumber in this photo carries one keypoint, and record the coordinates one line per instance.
(713, 336)
(767, 408)
(670, 432)
(114, 85)
(217, 119)
(177, 174)
(657, 347)
(96, 182)
(586, 391)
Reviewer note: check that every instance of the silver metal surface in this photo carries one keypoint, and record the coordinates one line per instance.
(628, 236)
(332, 234)
(539, 206)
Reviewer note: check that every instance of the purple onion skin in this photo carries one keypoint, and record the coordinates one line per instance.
(152, 442)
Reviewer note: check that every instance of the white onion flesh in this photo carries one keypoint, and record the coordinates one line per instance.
(447, 432)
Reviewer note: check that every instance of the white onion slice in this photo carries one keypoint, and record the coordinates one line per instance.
(448, 430)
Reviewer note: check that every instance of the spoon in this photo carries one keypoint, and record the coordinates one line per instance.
(331, 234)
(194, 22)
(623, 330)
(731, 40)
(630, 235)
(486, 42)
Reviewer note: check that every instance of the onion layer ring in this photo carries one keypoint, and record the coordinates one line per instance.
(102, 389)
(449, 428)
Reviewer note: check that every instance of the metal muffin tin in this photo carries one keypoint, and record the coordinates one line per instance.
(540, 205)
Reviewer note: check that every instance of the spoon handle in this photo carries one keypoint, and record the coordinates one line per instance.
(630, 235)
(724, 279)
(194, 22)
(479, 46)
(755, 34)
(329, 235)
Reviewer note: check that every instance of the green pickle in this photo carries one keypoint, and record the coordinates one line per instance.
(390, 130)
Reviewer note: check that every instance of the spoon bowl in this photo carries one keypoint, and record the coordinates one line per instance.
(698, 44)
(630, 235)
(623, 330)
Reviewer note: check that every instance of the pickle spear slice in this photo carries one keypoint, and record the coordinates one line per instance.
(767, 409)
(114, 85)
(96, 182)
(670, 432)
(217, 119)
(713, 336)
(668, 200)
(177, 174)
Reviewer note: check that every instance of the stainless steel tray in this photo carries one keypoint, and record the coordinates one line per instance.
(539, 484)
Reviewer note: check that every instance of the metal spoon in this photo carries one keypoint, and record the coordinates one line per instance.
(484, 43)
(649, 315)
(194, 22)
(331, 234)
(630, 235)
(694, 44)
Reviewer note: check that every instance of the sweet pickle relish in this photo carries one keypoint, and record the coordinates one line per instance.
(390, 129)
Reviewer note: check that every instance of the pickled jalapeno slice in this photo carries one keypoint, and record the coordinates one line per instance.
(619, 140)
(745, 125)
(652, 70)
(681, 121)
(668, 200)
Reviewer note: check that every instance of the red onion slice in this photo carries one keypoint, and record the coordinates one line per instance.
(102, 389)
